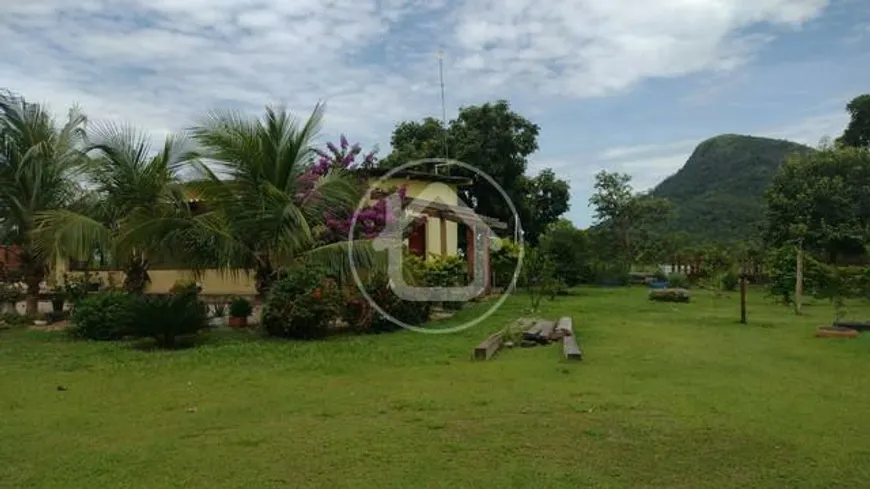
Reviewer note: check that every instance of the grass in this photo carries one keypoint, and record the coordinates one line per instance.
(669, 395)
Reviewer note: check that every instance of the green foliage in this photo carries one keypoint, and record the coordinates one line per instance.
(299, 305)
(538, 276)
(503, 262)
(410, 312)
(624, 218)
(445, 271)
(678, 281)
(184, 286)
(669, 295)
(240, 308)
(10, 293)
(781, 265)
(821, 200)
(166, 318)
(15, 319)
(611, 274)
(106, 316)
(568, 248)
(76, 288)
(498, 141)
(729, 280)
(718, 195)
(857, 133)
(40, 158)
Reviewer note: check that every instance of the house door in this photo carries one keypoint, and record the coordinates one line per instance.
(417, 240)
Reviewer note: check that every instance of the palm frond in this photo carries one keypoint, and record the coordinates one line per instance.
(335, 258)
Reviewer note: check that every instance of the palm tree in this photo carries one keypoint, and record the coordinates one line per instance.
(40, 161)
(136, 197)
(264, 203)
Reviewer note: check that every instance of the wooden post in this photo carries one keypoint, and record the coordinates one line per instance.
(742, 299)
(799, 279)
(443, 235)
(469, 251)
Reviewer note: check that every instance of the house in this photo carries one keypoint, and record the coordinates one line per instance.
(432, 198)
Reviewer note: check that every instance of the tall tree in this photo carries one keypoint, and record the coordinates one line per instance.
(131, 189)
(545, 199)
(498, 141)
(819, 204)
(822, 201)
(413, 140)
(263, 214)
(624, 214)
(857, 133)
(40, 162)
(568, 247)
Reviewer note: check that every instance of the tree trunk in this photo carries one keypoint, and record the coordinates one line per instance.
(264, 277)
(799, 280)
(136, 277)
(32, 280)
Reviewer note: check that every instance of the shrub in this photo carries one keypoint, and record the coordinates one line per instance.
(299, 305)
(76, 288)
(10, 293)
(409, 312)
(555, 287)
(15, 319)
(503, 262)
(165, 318)
(240, 308)
(660, 276)
(104, 316)
(612, 275)
(669, 295)
(538, 276)
(678, 281)
(444, 271)
(184, 286)
(729, 281)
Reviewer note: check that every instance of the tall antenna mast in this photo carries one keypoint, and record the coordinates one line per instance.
(443, 104)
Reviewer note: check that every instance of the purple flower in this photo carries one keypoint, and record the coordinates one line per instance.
(343, 142)
(332, 147)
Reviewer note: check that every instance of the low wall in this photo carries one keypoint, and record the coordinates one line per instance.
(214, 282)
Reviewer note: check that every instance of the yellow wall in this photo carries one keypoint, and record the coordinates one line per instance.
(216, 283)
(434, 192)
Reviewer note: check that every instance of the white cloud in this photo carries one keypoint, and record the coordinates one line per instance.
(646, 149)
(159, 63)
(812, 130)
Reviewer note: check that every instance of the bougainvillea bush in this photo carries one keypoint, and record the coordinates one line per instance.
(371, 218)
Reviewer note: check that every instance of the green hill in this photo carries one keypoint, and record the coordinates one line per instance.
(718, 194)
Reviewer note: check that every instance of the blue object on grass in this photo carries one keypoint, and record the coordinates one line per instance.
(658, 285)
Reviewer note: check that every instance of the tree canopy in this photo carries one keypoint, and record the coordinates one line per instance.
(822, 200)
(857, 133)
(497, 141)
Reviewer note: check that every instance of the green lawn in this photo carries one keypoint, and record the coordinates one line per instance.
(667, 396)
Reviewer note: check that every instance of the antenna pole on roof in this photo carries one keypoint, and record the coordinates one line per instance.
(443, 104)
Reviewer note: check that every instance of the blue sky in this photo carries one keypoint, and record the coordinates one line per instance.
(627, 85)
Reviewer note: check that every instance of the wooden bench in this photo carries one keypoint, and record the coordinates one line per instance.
(569, 342)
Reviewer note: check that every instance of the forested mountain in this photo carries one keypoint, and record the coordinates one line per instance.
(718, 195)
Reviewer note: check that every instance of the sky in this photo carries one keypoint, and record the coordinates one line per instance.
(622, 85)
